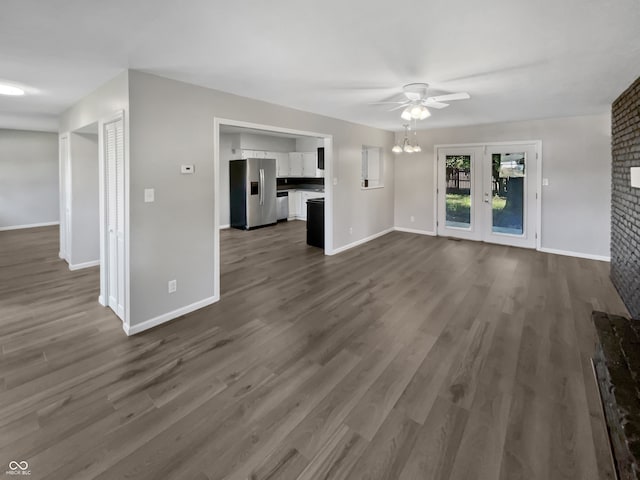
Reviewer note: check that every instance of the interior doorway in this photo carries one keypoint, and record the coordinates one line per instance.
(489, 192)
(308, 159)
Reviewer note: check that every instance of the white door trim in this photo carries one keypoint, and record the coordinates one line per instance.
(104, 264)
(538, 148)
(64, 252)
(328, 184)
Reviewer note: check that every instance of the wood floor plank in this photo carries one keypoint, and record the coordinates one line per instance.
(409, 357)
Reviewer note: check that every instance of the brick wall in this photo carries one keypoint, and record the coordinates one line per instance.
(625, 200)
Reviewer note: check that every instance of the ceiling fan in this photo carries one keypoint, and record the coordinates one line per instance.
(415, 106)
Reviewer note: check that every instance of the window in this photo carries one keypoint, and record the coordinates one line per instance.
(372, 167)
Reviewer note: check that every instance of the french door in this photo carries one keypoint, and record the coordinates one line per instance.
(113, 132)
(488, 193)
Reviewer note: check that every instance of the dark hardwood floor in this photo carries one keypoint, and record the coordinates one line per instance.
(409, 357)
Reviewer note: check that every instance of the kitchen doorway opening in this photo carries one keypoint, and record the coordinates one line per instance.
(273, 188)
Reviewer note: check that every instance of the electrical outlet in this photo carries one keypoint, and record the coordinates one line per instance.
(173, 286)
(413, 219)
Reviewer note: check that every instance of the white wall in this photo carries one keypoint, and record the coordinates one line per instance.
(85, 228)
(172, 238)
(576, 155)
(308, 144)
(28, 178)
(269, 143)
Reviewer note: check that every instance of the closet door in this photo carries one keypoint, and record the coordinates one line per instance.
(114, 164)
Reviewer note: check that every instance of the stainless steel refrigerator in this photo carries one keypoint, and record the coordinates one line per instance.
(252, 192)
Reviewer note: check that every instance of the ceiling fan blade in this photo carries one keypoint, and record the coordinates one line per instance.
(450, 97)
(432, 104)
(397, 108)
(387, 103)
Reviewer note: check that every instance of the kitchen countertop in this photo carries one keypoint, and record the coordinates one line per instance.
(284, 188)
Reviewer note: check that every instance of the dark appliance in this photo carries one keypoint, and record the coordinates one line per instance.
(252, 192)
(315, 222)
(320, 158)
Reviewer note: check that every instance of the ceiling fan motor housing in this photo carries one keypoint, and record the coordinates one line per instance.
(415, 91)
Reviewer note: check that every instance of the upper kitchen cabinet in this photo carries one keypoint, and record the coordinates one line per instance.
(282, 164)
(296, 167)
(253, 154)
(310, 165)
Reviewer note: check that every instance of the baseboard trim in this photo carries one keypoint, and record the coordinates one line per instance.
(222, 227)
(568, 253)
(413, 230)
(101, 301)
(160, 319)
(80, 266)
(32, 225)
(360, 242)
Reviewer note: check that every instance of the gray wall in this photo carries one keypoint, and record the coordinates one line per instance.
(172, 238)
(29, 188)
(110, 98)
(85, 228)
(576, 160)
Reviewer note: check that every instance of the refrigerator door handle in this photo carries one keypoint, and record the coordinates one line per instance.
(261, 186)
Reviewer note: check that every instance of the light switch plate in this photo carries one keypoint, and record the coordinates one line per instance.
(149, 195)
(635, 177)
(187, 169)
(545, 182)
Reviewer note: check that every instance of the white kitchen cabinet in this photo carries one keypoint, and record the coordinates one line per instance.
(295, 164)
(294, 203)
(282, 164)
(304, 196)
(309, 164)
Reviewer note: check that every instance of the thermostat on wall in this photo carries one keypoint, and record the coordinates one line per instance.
(635, 177)
(187, 169)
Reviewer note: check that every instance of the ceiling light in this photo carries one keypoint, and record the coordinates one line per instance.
(406, 114)
(10, 90)
(416, 111)
(424, 114)
(406, 144)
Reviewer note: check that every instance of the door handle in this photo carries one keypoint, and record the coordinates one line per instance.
(261, 186)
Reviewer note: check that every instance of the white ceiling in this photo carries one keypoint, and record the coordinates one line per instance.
(517, 59)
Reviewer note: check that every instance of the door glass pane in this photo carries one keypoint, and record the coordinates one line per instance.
(458, 192)
(508, 174)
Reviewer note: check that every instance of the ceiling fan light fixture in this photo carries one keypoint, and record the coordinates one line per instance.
(406, 114)
(416, 111)
(424, 114)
